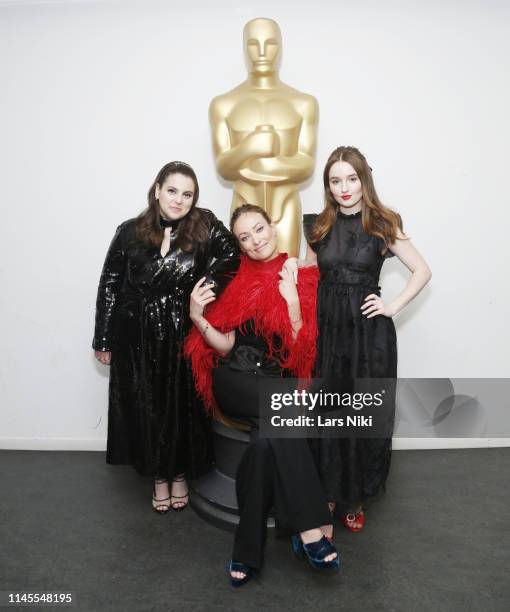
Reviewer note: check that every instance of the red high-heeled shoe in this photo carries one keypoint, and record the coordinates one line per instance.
(354, 521)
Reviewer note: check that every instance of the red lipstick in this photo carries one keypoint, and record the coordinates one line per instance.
(346, 197)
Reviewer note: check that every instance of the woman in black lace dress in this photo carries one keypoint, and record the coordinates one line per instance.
(349, 241)
(155, 422)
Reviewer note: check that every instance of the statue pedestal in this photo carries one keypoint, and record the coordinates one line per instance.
(213, 496)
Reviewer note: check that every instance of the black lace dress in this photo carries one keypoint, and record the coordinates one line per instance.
(350, 346)
(155, 421)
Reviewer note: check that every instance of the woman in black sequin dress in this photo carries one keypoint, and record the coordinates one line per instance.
(349, 241)
(155, 421)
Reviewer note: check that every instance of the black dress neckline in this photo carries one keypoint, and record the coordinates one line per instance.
(346, 216)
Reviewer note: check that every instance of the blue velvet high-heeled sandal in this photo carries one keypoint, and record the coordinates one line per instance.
(234, 566)
(316, 552)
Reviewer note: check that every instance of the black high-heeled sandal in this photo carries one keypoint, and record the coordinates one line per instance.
(159, 506)
(235, 566)
(316, 553)
(177, 497)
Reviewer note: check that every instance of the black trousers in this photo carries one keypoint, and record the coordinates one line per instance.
(277, 473)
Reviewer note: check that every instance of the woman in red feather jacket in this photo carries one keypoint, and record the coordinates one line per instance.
(262, 325)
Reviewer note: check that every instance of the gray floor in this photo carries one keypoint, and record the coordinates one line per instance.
(439, 540)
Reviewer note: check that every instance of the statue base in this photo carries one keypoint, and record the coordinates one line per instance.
(213, 496)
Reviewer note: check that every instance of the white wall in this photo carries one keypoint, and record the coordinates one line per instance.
(97, 96)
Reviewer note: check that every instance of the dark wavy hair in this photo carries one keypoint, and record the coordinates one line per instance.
(377, 219)
(192, 231)
(247, 208)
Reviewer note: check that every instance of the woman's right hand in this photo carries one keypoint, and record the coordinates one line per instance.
(292, 265)
(287, 287)
(199, 298)
(104, 357)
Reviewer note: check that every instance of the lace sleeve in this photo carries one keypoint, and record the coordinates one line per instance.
(308, 221)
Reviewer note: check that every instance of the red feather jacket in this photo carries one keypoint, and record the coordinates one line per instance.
(254, 294)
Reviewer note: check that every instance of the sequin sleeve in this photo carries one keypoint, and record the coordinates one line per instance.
(110, 284)
(222, 257)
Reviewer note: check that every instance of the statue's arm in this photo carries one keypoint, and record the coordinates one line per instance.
(229, 159)
(298, 167)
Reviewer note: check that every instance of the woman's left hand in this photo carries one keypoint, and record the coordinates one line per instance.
(287, 286)
(374, 306)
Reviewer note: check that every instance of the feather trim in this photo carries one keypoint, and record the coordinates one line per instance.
(254, 294)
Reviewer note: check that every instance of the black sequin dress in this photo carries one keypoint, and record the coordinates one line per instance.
(350, 346)
(155, 422)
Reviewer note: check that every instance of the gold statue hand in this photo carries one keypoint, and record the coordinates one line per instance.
(266, 143)
(294, 169)
(263, 142)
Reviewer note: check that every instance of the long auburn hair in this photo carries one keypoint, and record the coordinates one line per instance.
(192, 231)
(377, 219)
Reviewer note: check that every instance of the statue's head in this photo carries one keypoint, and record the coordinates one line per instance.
(262, 44)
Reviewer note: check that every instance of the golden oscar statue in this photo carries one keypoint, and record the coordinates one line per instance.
(264, 135)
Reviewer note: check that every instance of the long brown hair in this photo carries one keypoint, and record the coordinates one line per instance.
(377, 219)
(192, 231)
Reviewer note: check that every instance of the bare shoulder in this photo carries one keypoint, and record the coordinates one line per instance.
(401, 235)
